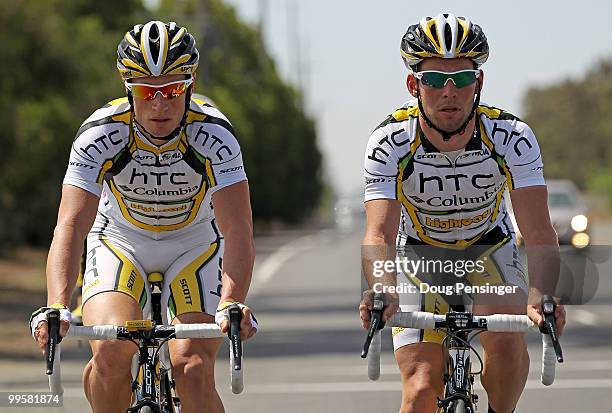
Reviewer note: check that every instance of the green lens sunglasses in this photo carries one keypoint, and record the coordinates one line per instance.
(438, 80)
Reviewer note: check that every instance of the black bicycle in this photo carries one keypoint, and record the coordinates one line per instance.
(152, 384)
(460, 329)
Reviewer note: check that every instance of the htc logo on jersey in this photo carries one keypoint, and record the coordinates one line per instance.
(186, 292)
(103, 141)
(144, 177)
(480, 181)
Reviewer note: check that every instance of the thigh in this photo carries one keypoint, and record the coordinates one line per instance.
(111, 307)
(109, 268)
(185, 351)
(423, 361)
(502, 268)
(420, 292)
(192, 284)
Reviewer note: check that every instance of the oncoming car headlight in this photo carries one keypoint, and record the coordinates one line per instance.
(579, 223)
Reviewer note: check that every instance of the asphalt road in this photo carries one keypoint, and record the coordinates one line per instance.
(306, 357)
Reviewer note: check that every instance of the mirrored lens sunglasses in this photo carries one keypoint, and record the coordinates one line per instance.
(438, 80)
(169, 90)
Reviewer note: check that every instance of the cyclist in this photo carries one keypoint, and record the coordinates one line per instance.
(438, 169)
(156, 183)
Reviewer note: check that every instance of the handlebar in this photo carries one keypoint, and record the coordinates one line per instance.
(112, 332)
(376, 321)
(551, 348)
(235, 316)
(53, 321)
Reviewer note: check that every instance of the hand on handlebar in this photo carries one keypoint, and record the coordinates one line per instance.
(40, 329)
(248, 323)
(536, 314)
(391, 305)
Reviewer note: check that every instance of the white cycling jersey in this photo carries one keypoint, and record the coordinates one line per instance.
(156, 191)
(451, 202)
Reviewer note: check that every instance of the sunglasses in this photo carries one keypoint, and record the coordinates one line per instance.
(438, 80)
(168, 90)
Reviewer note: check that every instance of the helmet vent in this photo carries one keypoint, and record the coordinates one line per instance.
(448, 37)
(434, 35)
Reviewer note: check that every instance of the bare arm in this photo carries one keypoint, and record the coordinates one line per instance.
(77, 212)
(532, 216)
(76, 215)
(233, 214)
(378, 244)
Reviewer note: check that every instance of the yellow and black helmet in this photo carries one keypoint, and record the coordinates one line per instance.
(444, 36)
(156, 49)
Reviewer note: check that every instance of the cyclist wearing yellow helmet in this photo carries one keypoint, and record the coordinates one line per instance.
(156, 183)
(439, 169)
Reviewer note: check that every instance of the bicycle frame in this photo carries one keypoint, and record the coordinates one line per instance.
(458, 378)
(149, 375)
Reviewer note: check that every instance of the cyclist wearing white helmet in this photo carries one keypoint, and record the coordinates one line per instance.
(439, 168)
(156, 183)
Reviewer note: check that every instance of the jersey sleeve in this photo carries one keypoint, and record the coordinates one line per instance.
(91, 155)
(216, 143)
(381, 168)
(523, 160)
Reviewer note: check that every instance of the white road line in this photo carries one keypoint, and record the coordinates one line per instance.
(392, 369)
(584, 317)
(395, 386)
(264, 272)
(381, 386)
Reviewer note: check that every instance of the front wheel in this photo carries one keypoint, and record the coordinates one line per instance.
(459, 406)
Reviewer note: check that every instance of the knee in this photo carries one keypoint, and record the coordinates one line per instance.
(422, 385)
(195, 371)
(112, 359)
(500, 345)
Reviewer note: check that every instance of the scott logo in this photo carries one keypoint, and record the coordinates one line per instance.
(224, 171)
(131, 281)
(186, 292)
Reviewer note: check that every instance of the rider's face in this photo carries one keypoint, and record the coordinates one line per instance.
(159, 116)
(449, 106)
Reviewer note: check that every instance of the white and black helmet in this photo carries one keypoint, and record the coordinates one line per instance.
(155, 49)
(445, 36)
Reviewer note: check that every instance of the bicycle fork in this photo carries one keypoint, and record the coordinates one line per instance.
(458, 378)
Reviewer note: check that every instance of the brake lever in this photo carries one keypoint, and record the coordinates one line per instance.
(235, 317)
(550, 325)
(376, 322)
(53, 323)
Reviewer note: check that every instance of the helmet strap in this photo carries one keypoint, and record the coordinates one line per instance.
(446, 136)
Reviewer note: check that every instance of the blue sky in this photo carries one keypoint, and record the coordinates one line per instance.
(354, 75)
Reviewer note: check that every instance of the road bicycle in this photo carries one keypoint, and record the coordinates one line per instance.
(460, 329)
(152, 385)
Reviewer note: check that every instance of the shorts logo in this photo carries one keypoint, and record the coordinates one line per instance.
(131, 281)
(186, 292)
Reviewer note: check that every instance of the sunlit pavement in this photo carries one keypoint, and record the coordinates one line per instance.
(306, 357)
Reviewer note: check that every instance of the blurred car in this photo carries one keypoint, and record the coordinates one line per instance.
(569, 213)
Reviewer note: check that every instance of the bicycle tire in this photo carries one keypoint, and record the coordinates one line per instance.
(459, 406)
(167, 394)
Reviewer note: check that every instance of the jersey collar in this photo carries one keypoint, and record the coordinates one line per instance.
(474, 144)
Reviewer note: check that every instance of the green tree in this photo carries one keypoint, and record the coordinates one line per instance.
(574, 128)
(59, 65)
(278, 140)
